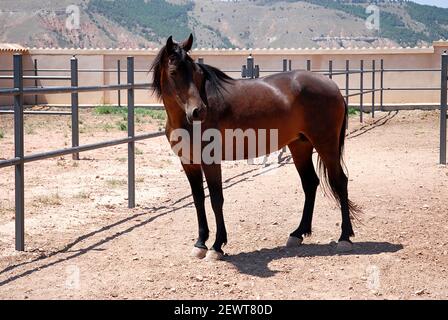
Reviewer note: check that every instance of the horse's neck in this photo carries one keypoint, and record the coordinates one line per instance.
(175, 114)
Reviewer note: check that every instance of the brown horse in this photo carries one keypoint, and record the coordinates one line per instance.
(305, 109)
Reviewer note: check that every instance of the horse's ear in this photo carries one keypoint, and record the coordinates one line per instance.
(187, 44)
(169, 44)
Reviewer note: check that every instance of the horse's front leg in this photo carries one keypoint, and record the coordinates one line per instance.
(194, 175)
(214, 181)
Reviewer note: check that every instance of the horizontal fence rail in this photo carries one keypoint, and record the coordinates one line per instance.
(37, 78)
(73, 150)
(35, 112)
(81, 70)
(54, 90)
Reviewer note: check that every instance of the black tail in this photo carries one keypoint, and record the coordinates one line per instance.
(329, 188)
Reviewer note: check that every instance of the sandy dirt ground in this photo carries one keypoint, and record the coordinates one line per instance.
(82, 242)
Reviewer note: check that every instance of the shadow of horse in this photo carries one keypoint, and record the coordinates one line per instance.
(255, 263)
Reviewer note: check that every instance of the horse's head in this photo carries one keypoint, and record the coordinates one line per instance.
(178, 80)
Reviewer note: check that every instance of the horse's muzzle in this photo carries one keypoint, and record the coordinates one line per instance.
(196, 114)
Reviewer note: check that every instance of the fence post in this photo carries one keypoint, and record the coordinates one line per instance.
(36, 83)
(347, 81)
(201, 60)
(244, 71)
(250, 66)
(330, 69)
(131, 133)
(443, 108)
(361, 87)
(19, 153)
(285, 68)
(119, 81)
(290, 65)
(382, 86)
(373, 87)
(257, 71)
(75, 105)
(308, 65)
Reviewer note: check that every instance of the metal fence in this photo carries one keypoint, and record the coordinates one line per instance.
(249, 70)
(252, 70)
(19, 160)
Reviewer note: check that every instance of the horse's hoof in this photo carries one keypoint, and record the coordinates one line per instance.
(199, 253)
(293, 242)
(344, 246)
(213, 255)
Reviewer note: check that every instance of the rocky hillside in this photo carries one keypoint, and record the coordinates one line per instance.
(219, 23)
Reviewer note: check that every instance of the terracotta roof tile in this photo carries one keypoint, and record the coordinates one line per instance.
(12, 47)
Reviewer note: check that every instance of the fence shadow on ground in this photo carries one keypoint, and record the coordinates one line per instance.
(255, 263)
(45, 261)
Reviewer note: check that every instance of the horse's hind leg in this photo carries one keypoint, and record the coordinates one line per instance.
(302, 152)
(338, 182)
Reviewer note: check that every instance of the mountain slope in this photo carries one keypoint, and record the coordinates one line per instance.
(219, 23)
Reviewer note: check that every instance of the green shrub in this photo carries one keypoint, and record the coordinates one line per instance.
(123, 111)
(122, 126)
(107, 109)
(352, 111)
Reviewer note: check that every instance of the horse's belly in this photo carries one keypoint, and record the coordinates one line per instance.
(258, 136)
(250, 143)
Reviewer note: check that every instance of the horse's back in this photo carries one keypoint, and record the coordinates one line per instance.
(280, 99)
(305, 82)
(315, 102)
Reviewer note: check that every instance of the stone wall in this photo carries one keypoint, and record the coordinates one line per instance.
(267, 59)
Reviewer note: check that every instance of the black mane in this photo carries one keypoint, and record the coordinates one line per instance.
(215, 79)
(156, 68)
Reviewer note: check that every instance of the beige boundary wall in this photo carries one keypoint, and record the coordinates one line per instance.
(228, 59)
